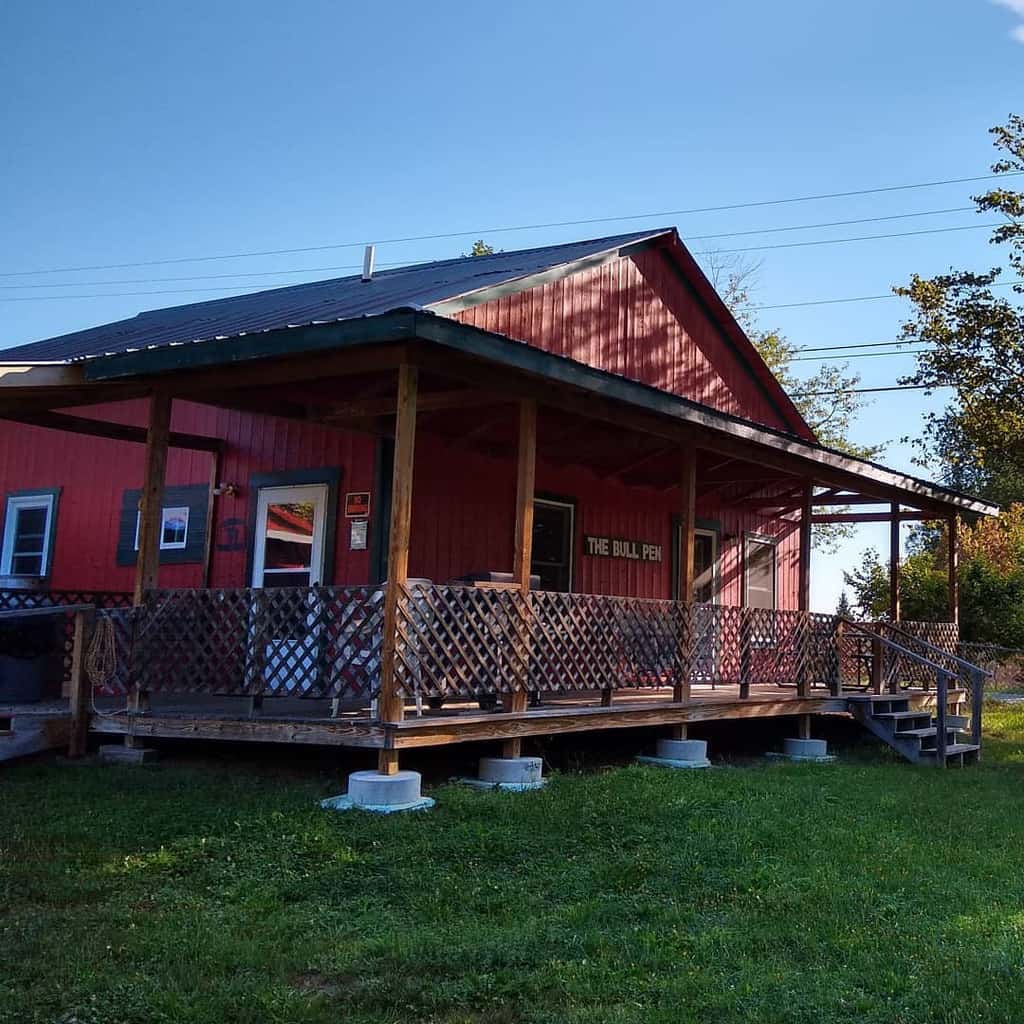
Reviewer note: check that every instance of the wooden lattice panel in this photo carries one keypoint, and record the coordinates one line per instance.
(289, 641)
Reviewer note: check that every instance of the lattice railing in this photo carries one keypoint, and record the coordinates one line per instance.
(64, 626)
(289, 641)
(460, 640)
(1005, 663)
(909, 671)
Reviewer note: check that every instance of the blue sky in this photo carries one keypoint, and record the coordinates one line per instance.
(146, 132)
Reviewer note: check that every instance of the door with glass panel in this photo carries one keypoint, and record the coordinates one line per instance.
(705, 598)
(288, 551)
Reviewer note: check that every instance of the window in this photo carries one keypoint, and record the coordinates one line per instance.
(553, 543)
(759, 572)
(28, 534)
(173, 529)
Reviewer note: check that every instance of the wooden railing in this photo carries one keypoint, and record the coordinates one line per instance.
(469, 641)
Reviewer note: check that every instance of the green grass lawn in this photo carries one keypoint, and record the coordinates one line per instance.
(868, 891)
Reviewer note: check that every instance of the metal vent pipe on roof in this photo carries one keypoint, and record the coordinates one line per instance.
(368, 254)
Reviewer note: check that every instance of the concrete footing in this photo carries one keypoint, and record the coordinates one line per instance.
(381, 794)
(117, 753)
(679, 754)
(513, 774)
(805, 750)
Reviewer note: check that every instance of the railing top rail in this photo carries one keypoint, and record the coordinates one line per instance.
(913, 655)
(44, 611)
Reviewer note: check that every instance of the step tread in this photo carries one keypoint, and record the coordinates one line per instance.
(953, 749)
(900, 715)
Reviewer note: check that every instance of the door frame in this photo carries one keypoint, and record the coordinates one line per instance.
(329, 475)
(562, 501)
(705, 526)
(318, 553)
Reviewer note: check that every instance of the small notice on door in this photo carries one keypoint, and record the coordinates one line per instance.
(357, 535)
(357, 504)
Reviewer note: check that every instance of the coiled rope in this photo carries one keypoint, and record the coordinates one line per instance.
(101, 662)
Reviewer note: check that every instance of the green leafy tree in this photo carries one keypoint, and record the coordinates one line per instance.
(480, 248)
(973, 340)
(843, 608)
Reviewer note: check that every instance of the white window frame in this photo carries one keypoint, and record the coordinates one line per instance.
(15, 503)
(773, 544)
(164, 514)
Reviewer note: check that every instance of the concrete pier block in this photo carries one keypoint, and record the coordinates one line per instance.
(679, 754)
(381, 794)
(117, 753)
(805, 750)
(513, 774)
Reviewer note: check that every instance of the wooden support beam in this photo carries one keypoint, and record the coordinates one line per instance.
(80, 686)
(114, 431)
(832, 498)
(806, 521)
(687, 525)
(872, 517)
(390, 703)
(894, 563)
(522, 555)
(637, 462)
(157, 438)
(788, 499)
(953, 568)
(211, 507)
(427, 402)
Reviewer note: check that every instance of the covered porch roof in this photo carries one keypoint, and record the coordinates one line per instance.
(343, 373)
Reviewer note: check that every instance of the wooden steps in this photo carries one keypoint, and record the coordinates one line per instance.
(913, 732)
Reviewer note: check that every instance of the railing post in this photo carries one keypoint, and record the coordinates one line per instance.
(942, 697)
(746, 655)
(837, 678)
(877, 664)
(80, 684)
(977, 703)
(803, 679)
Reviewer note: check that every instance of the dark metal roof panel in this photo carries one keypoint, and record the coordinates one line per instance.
(343, 298)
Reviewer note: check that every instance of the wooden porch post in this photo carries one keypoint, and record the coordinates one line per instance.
(157, 434)
(522, 556)
(954, 570)
(687, 522)
(803, 680)
(894, 562)
(150, 516)
(391, 706)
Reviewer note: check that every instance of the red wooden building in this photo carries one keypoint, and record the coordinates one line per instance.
(595, 481)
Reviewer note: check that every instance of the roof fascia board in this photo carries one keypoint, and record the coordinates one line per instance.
(515, 285)
(39, 375)
(286, 341)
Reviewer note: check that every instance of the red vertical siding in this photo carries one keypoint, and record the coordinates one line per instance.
(636, 318)
(93, 474)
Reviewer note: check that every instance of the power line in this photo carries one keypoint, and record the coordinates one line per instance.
(860, 344)
(858, 238)
(858, 355)
(519, 227)
(865, 298)
(866, 391)
(356, 266)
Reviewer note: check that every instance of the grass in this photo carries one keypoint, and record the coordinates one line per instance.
(868, 891)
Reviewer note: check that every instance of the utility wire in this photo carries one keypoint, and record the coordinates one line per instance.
(866, 391)
(480, 232)
(858, 355)
(758, 248)
(357, 266)
(860, 344)
(865, 298)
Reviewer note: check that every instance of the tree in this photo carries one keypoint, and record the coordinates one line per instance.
(480, 248)
(825, 398)
(973, 340)
(843, 608)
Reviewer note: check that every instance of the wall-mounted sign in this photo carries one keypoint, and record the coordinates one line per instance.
(357, 504)
(617, 547)
(357, 535)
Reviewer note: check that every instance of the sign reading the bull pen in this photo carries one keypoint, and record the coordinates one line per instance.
(617, 547)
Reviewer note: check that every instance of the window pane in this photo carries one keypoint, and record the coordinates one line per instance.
(27, 565)
(30, 529)
(760, 573)
(552, 546)
(703, 568)
(289, 541)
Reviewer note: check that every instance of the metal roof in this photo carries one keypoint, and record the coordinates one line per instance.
(344, 298)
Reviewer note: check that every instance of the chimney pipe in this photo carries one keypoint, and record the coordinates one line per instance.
(368, 263)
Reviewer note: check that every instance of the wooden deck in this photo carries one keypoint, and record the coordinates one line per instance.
(294, 720)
